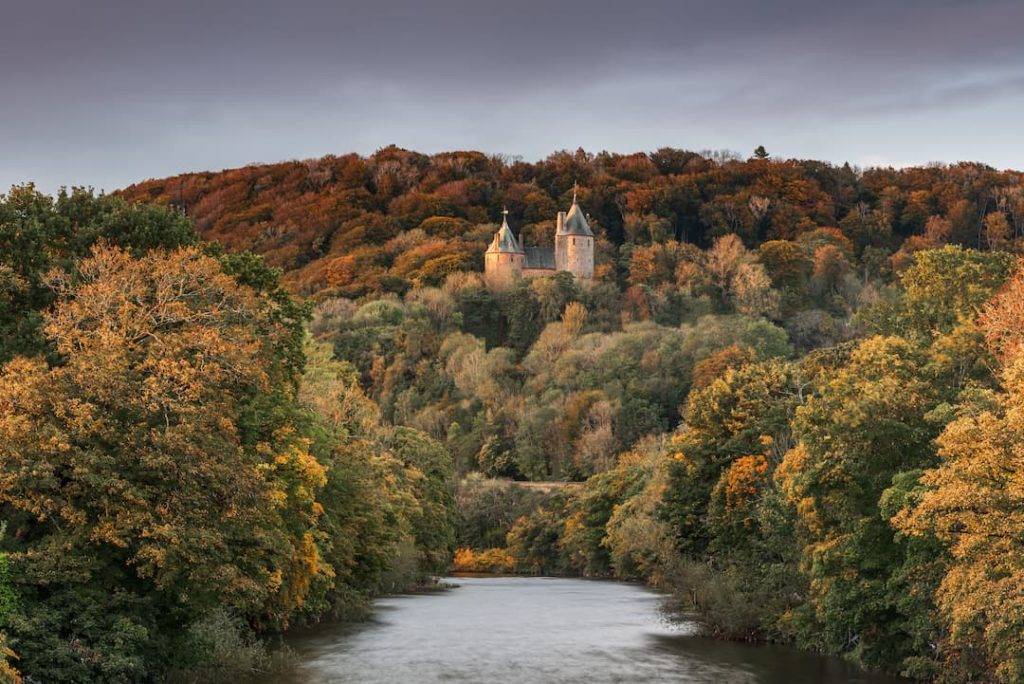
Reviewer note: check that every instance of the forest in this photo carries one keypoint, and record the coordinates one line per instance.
(234, 403)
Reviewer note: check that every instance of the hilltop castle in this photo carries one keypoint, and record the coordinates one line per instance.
(507, 259)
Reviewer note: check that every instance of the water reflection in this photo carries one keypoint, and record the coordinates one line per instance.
(519, 629)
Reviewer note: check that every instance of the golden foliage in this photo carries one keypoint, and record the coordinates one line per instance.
(743, 480)
(974, 502)
(489, 561)
(135, 441)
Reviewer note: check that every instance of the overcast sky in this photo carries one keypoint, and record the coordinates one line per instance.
(105, 93)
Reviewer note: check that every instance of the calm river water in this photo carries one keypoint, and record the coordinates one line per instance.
(534, 629)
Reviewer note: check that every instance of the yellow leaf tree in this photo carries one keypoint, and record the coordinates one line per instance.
(973, 501)
(131, 470)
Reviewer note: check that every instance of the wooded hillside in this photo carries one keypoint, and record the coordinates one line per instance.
(352, 225)
(791, 398)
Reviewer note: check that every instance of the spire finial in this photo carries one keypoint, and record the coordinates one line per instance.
(574, 192)
(504, 212)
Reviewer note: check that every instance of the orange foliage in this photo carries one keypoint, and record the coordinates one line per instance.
(135, 442)
(304, 215)
(1002, 319)
(714, 366)
(488, 560)
(743, 480)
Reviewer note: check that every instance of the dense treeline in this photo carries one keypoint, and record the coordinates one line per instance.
(788, 397)
(182, 468)
(857, 499)
(353, 225)
(757, 390)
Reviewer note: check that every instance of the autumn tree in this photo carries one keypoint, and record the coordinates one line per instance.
(365, 532)
(972, 502)
(941, 289)
(866, 425)
(137, 489)
(997, 231)
(1002, 319)
(38, 233)
(735, 416)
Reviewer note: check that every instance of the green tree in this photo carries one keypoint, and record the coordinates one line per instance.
(39, 233)
(137, 499)
(741, 414)
(971, 503)
(433, 525)
(941, 289)
(865, 426)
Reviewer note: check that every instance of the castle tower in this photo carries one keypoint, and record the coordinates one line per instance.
(574, 242)
(503, 260)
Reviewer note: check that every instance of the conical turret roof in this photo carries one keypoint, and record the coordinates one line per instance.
(504, 240)
(575, 222)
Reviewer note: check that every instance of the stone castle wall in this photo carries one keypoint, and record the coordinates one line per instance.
(579, 256)
(561, 252)
(573, 253)
(502, 269)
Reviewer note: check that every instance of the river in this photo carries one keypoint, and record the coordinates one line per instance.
(534, 629)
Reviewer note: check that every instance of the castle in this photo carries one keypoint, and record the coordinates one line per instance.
(507, 259)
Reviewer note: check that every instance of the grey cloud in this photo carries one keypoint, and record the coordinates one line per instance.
(109, 92)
